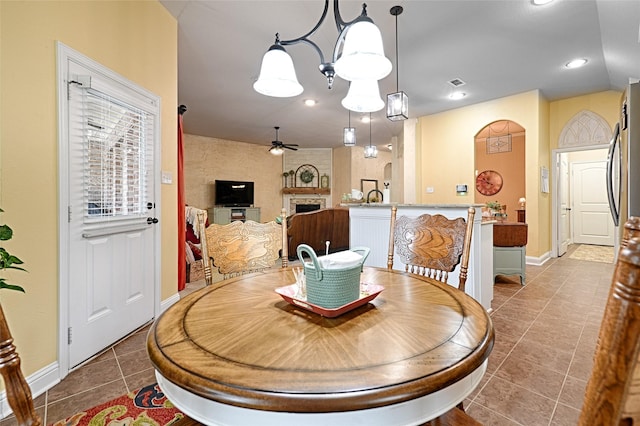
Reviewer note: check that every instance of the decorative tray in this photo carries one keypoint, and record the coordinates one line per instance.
(368, 292)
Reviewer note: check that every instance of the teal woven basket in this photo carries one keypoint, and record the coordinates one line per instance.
(331, 288)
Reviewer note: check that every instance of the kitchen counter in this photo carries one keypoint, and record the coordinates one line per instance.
(369, 227)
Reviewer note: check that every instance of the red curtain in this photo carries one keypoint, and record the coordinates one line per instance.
(182, 223)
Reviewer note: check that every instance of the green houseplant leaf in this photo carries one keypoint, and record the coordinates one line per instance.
(7, 260)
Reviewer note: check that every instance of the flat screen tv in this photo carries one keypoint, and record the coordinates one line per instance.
(232, 193)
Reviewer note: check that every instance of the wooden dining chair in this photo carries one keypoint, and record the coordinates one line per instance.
(612, 396)
(242, 247)
(613, 391)
(18, 393)
(431, 245)
(631, 229)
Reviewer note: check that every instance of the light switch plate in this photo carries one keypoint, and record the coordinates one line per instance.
(167, 178)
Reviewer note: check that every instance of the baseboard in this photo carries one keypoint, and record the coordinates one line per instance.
(49, 376)
(166, 303)
(39, 382)
(538, 261)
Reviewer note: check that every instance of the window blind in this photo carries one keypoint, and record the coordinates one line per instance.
(118, 152)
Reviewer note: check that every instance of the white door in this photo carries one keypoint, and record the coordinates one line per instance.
(591, 218)
(564, 216)
(111, 211)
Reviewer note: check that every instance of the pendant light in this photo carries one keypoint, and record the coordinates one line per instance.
(398, 102)
(370, 151)
(349, 134)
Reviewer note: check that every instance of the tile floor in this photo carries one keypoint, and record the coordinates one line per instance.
(546, 332)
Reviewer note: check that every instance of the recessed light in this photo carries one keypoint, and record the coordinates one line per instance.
(540, 2)
(365, 119)
(576, 63)
(310, 102)
(457, 95)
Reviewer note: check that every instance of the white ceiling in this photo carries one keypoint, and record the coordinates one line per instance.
(498, 48)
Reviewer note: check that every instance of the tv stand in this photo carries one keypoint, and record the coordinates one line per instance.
(225, 215)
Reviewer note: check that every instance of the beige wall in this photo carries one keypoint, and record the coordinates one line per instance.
(445, 147)
(606, 104)
(342, 173)
(135, 39)
(207, 159)
(368, 168)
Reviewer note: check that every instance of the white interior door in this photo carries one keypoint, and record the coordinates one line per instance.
(591, 218)
(564, 209)
(111, 211)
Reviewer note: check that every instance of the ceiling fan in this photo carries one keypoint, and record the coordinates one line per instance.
(277, 145)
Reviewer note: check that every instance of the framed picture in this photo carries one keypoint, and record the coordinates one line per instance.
(324, 181)
(497, 144)
(367, 185)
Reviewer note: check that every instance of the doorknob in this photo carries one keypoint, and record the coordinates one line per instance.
(151, 220)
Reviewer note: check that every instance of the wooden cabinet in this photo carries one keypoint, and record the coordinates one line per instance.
(252, 213)
(225, 215)
(509, 261)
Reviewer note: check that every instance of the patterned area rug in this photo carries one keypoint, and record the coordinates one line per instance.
(147, 406)
(593, 253)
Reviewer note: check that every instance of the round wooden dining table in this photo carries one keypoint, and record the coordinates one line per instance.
(236, 353)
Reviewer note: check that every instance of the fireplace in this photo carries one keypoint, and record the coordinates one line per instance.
(300, 205)
(302, 208)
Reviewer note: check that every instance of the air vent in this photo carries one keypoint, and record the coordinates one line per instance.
(456, 82)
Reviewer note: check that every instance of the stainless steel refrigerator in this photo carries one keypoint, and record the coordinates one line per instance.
(623, 162)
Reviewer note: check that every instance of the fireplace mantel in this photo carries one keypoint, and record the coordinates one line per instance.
(306, 190)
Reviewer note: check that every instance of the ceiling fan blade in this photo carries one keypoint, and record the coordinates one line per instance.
(290, 147)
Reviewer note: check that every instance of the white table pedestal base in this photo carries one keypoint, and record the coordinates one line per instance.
(414, 412)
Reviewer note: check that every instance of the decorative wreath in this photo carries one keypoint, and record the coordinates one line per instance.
(306, 176)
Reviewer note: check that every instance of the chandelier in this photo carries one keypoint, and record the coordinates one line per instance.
(358, 57)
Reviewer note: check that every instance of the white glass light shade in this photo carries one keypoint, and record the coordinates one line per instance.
(363, 96)
(277, 75)
(349, 136)
(363, 54)
(276, 150)
(370, 151)
(397, 106)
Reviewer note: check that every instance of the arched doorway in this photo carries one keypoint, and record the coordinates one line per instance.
(500, 147)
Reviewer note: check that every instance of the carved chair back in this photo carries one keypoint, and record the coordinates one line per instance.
(612, 397)
(431, 245)
(613, 391)
(242, 247)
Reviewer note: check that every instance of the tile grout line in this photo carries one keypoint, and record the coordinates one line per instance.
(573, 355)
(520, 339)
